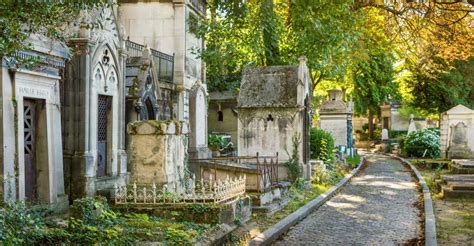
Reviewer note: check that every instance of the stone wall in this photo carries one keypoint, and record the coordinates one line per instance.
(337, 126)
(157, 152)
(268, 131)
(228, 124)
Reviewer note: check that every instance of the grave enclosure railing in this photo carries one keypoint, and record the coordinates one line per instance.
(266, 167)
(202, 191)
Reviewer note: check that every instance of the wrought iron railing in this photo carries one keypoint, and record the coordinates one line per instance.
(164, 63)
(200, 5)
(266, 168)
(200, 192)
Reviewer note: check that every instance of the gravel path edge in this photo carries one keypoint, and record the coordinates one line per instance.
(430, 219)
(274, 232)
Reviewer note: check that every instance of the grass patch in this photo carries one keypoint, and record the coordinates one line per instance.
(353, 161)
(454, 218)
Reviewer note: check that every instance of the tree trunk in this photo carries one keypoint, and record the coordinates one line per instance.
(371, 125)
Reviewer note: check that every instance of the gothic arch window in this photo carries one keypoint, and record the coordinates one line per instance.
(149, 109)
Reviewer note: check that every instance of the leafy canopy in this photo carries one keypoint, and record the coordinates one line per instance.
(20, 19)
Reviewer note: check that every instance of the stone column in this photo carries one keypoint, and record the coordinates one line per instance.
(77, 114)
(122, 155)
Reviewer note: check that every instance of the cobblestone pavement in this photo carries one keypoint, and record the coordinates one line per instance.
(375, 208)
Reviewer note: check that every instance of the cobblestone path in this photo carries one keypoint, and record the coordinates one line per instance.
(375, 208)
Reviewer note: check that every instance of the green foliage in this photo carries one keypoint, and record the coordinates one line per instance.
(321, 145)
(94, 223)
(373, 82)
(439, 90)
(47, 18)
(293, 165)
(215, 142)
(395, 133)
(20, 225)
(353, 161)
(324, 176)
(268, 32)
(93, 211)
(416, 143)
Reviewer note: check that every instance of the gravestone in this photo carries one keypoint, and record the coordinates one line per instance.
(336, 118)
(457, 133)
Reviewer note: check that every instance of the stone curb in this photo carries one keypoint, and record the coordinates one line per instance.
(272, 233)
(430, 219)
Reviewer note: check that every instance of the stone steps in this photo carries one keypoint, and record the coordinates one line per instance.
(450, 193)
(459, 184)
(462, 166)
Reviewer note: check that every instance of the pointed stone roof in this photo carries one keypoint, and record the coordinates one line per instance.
(460, 109)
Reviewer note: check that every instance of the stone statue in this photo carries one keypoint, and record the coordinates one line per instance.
(411, 126)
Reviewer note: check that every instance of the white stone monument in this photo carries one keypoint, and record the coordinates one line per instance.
(457, 133)
(336, 118)
(411, 126)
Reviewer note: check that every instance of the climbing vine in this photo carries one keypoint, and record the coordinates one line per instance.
(295, 169)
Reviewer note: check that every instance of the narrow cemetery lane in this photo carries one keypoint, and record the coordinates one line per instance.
(376, 208)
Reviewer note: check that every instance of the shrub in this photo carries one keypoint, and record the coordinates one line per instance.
(215, 142)
(416, 143)
(321, 145)
(396, 133)
(295, 170)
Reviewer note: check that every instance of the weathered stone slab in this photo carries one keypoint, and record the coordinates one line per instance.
(157, 150)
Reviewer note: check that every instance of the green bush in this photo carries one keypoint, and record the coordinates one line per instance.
(215, 142)
(416, 143)
(396, 133)
(321, 145)
(21, 225)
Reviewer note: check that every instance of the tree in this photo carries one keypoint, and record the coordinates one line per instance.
(440, 90)
(276, 32)
(373, 83)
(20, 19)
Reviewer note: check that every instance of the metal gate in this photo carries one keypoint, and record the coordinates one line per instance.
(29, 134)
(104, 105)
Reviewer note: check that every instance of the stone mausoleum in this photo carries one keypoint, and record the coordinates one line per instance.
(30, 125)
(274, 108)
(94, 107)
(457, 133)
(336, 117)
(167, 26)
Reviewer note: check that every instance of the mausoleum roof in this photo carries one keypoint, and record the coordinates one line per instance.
(460, 109)
(274, 86)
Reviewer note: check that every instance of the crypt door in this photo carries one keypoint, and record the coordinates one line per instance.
(103, 139)
(29, 134)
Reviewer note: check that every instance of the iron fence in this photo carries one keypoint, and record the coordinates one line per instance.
(202, 191)
(266, 167)
(164, 63)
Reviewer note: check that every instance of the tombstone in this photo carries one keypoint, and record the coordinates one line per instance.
(336, 118)
(458, 142)
(457, 133)
(385, 134)
(274, 108)
(198, 122)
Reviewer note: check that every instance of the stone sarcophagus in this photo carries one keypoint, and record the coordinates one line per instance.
(157, 152)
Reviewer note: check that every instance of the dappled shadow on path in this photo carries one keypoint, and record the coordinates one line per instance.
(375, 208)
